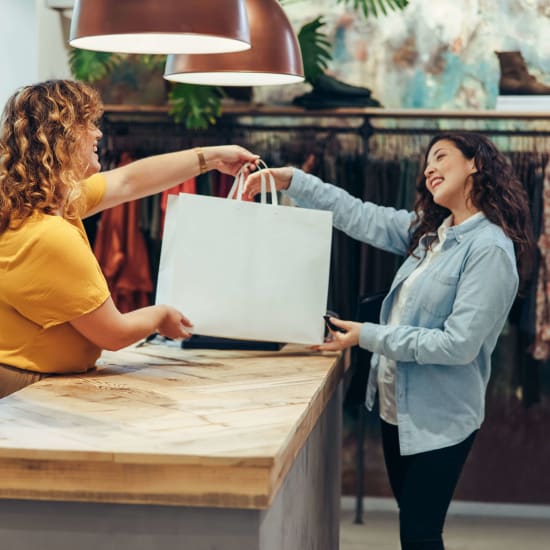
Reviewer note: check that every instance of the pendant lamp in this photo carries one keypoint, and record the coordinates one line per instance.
(274, 56)
(160, 26)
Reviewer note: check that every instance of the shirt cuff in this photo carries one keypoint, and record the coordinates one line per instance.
(297, 184)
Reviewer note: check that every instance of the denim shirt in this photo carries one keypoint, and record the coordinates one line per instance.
(450, 322)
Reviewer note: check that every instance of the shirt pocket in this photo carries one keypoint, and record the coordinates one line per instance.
(439, 294)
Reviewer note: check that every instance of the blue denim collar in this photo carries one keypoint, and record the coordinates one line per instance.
(467, 227)
(459, 232)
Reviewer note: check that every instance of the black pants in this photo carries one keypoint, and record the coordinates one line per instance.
(423, 485)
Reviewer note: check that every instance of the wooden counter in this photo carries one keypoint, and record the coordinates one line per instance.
(177, 428)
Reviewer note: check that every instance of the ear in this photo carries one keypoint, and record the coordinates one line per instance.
(473, 169)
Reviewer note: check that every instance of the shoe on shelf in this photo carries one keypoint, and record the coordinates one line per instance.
(515, 78)
(315, 100)
(325, 84)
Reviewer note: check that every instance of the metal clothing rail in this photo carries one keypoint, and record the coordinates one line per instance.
(489, 131)
(361, 121)
(341, 112)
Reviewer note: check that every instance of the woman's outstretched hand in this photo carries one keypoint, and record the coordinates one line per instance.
(282, 177)
(229, 159)
(341, 340)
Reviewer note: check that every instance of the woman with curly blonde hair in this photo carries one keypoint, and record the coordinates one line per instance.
(56, 312)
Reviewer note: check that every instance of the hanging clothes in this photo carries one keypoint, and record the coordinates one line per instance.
(529, 168)
(189, 186)
(222, 185)
(122, 254)
(541, 345)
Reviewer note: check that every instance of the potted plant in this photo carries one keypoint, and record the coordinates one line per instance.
(137, 79)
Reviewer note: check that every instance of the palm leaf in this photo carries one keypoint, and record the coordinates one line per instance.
(153, 61)
(375, 7)
(316, 49)
(91, 66)
(196, 106)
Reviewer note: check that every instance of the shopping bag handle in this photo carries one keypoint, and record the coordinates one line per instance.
(238, 186)
(272, 187)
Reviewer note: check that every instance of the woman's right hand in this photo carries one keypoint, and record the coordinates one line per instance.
(282, 177)
(110, 329)
(173, 324)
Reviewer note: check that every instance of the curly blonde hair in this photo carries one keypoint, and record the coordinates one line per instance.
(40, 131)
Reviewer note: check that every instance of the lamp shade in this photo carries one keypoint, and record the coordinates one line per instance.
(274, 56)
(160, 26)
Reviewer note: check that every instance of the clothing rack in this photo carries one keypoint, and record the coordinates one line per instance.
(492, 132)
(362, 123)
(250, 110)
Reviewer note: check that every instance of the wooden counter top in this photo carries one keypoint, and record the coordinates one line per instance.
(161, 425)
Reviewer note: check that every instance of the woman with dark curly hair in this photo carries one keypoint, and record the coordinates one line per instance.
(56, 312)
(468, 247)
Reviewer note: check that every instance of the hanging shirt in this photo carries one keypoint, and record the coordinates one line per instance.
(541, 345)
(121, 251)
(386, 367)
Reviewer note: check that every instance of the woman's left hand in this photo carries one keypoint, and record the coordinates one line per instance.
(341, 340)
(229, 159)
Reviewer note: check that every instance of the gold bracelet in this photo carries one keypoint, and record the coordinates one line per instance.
(202, 161)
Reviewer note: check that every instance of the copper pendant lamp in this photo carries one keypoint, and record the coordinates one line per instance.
(160, 26)
(274, 56)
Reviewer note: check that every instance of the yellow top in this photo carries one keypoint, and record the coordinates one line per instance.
(49, 276)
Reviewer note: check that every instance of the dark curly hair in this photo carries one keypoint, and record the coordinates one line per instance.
(496, 191)
(40, 131)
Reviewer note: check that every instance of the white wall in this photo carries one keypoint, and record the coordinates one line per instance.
(18, 45)
(53, 35)
(31, 45)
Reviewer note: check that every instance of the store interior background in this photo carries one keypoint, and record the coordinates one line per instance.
(433, 55)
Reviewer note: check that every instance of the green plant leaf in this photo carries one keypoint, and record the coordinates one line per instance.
(91, 66)
(196, 106)
(369, 7)
(155, 62)
(316, 49)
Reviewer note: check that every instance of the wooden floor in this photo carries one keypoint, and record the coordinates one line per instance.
(380, 532)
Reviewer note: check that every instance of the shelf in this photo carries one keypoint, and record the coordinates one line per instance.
(255, 110)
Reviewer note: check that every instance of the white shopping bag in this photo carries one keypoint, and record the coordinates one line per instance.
(246, 270)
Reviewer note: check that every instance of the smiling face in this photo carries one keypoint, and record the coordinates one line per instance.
(448, 178)
(88, 159)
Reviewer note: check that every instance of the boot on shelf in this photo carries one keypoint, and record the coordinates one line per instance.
(329, 85)
(330, 93)
(515, 78)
